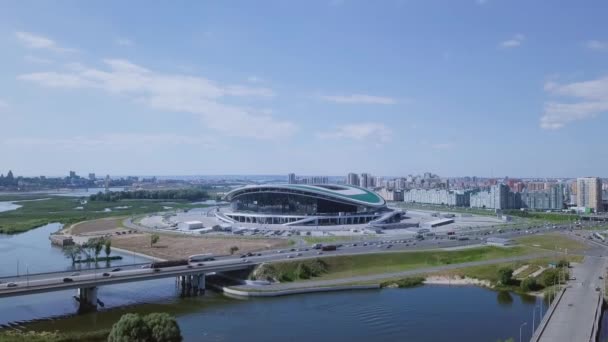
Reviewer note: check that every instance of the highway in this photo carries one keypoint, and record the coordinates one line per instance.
(35, 283)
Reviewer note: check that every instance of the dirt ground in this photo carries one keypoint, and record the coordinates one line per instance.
(171, 247)
(102, 226)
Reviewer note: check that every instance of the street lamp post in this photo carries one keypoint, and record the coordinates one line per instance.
(521, 326)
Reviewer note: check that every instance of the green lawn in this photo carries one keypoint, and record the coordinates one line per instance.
(552, 241)
(346, 266)
(33, 214)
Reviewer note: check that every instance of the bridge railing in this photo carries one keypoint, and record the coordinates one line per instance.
(25, 275)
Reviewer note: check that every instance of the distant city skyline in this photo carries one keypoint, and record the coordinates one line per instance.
(488, 88)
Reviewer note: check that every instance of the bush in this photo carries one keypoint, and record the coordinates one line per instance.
(505, 275)
(130, 328)
(529, 284)
(155, 327)
(552, 276)
(164, 328)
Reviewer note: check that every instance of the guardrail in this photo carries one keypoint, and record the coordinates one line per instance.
(25, 275)
(543, 323)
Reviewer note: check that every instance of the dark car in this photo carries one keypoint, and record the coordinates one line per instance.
(157, 270)
(116, 269)
(68, 280)
(389, 246)
(190, 266)
(259, 254)
(243, 256)
(106, 274)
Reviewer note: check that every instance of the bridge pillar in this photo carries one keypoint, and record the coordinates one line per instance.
(87, 297)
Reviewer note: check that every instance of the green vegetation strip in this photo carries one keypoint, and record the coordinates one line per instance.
(346, 266)
(554, 241)
(68, 210)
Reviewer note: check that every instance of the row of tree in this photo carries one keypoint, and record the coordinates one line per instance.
(190, 194)
(90, 250)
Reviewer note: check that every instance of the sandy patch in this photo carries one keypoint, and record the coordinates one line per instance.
(172, 247)
(446, 280)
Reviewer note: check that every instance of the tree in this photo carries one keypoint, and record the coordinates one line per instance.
(108, 247)
(155, 327)
(528, 284)
(98, 247)
(164, 328)
(233, 250)
(505, 275)
(72, 252)
(154, 239)
(550, 277)
(130, 328)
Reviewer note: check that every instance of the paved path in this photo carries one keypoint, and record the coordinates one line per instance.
(379, 277)
(575, 314)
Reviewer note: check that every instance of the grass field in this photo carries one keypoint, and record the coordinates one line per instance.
(33, 214)
(346, 266)
(552, 241)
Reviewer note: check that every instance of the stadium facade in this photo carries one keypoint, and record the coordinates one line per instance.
(312, 205)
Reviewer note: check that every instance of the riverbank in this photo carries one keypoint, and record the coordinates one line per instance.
(35, 212)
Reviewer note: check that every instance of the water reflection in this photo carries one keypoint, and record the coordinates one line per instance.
(504, 298)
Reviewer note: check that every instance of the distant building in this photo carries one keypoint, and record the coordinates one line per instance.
(391, 194)
(589, 193)
(73, 174)
(92, 177)
(498, 197)
(291, 178)
(364, 180)
(352, 179)
(434, 196)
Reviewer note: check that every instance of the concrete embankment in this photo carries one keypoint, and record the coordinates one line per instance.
(277, 293)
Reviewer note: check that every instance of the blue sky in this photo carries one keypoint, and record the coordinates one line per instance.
(393, 87)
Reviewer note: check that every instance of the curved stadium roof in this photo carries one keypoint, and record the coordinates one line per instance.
(340, 193)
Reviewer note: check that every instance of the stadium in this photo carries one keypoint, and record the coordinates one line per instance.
(307, 205)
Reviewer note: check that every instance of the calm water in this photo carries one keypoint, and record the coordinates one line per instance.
(8, 206)
(429, 313)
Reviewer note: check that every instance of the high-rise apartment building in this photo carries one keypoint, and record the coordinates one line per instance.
(589, 193)
(291, 178)
(352, 179)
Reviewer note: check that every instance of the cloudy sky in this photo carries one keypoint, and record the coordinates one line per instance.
(392, 87)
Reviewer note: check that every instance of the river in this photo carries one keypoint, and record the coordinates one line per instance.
(427, 313)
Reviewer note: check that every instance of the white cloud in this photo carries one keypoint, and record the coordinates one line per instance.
(590, 99)
(124, 42)
(111, 141)
(358, 99)
(514, 42)
(175, 93)
(34, 41)
(596, 45)
(377, 132)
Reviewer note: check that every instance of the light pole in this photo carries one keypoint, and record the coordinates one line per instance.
(521, 326)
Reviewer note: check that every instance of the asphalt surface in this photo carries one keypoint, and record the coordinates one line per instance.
(574, 315)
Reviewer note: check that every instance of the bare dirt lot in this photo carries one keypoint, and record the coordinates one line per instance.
(102, 226)
(172, 247)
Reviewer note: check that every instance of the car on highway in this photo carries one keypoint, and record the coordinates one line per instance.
(75, 274)
(290, 256)
(116, 269)
(320, 253)
(68, 280)
(106, 274)
(11, 285)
